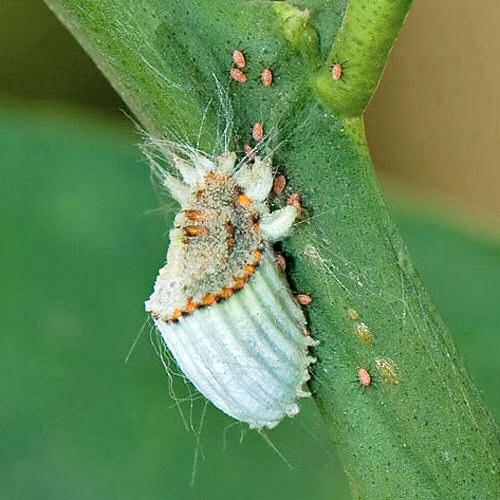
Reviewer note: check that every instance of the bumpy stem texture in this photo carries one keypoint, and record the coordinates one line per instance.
(361, 47)
(420, 430)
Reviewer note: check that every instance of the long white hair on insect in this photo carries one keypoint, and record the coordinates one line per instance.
(221, 304)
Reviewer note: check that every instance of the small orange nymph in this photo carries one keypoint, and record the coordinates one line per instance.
(364, 377)
(303, 299)
(258, 132)
(279, 184)
(337, 71)
(239, 59)
(267, 77)
(238, 76)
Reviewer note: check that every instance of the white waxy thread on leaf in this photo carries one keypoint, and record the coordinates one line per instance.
(221, 303)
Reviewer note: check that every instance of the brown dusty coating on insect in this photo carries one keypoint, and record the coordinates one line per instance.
(303, 299)
(238, 76)
(216, 245)
(364, 377)
(258, 132)
(337, 71)
(239, 59)
(389, 371)
(353, 314)
(267, 77)
(364, 334)
(279, 184)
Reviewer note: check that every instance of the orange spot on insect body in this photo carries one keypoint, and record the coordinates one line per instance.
(303, 299)
(209, 300)
(226, 293)
(244, 200)
(193, 231)
(238, 76)
(239, 59)
(258, 132)
(267, 77)
(364, 377)
(176, 314)
(249, 269)
(239, 283)
(191, 306)
(337, 71)
(279, 184)
(195, 215)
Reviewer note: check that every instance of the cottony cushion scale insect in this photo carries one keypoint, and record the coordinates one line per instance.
(222, 305)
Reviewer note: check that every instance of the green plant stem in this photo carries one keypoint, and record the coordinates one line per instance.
(423, 431)
(430, 436)
(362, 47)
(159, 87)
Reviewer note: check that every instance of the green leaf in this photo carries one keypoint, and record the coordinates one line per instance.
(429, 436)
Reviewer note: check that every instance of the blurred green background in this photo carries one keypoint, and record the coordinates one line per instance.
(83, 235)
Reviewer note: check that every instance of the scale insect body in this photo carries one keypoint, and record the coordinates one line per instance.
(239, 59)
(266, 77)
(365, 379)
(337, 71)
(221, 303)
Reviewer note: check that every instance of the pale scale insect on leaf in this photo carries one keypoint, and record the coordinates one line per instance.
(388, 370)
(353, 314)
(364, 334)
(221, 304)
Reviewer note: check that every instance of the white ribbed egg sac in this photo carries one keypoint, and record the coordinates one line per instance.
(248, 354)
